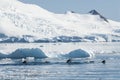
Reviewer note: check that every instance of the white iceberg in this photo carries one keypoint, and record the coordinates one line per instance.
(3, 55)
(79, 53)
(24, 53)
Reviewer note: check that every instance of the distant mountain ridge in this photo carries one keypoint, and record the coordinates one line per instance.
(20, 22)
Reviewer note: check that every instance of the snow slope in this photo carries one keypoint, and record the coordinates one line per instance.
(20, 22)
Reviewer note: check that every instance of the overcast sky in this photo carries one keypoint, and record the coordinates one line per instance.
(108, 8)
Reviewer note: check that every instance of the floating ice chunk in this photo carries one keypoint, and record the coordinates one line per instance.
(3, 55)
(79, 53)
(23, 53)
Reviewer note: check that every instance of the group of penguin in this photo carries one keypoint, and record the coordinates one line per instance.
(68, 61)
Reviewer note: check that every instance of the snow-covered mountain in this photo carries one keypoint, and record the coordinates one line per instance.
(20, 22)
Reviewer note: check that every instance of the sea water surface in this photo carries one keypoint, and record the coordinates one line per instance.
(58, 69)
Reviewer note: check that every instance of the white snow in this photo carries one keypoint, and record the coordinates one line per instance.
(18, 19)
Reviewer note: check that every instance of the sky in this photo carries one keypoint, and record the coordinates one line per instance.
(108, 8)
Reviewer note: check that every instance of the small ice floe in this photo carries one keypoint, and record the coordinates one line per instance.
(33, 61)
(28, 59)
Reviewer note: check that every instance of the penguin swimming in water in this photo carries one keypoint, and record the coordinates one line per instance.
(103, 61)
(69, 61)
(24, 61)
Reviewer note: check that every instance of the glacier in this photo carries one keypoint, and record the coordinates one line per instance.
(20, 22)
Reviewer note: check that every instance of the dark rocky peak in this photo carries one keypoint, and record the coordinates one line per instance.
(94, 12)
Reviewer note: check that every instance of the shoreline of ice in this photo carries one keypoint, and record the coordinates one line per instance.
(57, 49)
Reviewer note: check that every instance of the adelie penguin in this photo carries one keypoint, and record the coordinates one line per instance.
(103, 61)
(69, 61)
(24, 61)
